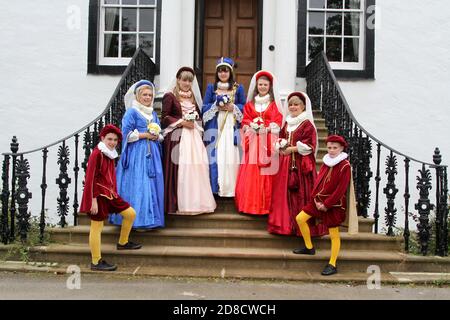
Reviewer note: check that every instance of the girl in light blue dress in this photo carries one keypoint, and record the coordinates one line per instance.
(140, 179)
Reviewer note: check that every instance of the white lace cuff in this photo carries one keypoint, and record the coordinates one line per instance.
(161, 138)
(210, 114)
(172, 127)
(274, 128)
(238, 114)
(303, 149)
(133, 136)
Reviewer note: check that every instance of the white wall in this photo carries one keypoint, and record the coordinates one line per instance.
(45, 92)
(407, 106)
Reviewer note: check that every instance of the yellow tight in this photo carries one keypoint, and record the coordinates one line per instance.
(95, 234)
(302, 220)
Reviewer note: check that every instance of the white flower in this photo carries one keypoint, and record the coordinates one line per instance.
(192, 116)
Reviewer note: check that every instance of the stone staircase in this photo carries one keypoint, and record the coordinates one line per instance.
(227, 244)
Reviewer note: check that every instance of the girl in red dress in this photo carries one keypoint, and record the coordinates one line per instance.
(293, 184)
(260, 127)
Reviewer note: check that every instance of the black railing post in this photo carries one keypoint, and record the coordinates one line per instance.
(441, 206)
(424, 207)
(407, 196)
(63, 182)
(23, 197)
(5, 201)
(391, 191)
(376, 214)
(12, 228)
(43, 192)
(76, 170)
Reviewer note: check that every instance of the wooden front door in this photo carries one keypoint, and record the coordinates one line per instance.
(231, 30)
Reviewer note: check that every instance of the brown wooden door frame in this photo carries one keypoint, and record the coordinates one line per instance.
(199, 38)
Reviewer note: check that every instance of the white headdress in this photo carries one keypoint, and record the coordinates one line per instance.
(276, 92)
(195, 87)
(130, 98)
(308, 110)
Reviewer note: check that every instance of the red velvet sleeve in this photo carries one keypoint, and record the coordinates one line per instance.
(167, 117)
(248, 114)
(341, 187)
(276, 116)
(309, 135)
(88, 193)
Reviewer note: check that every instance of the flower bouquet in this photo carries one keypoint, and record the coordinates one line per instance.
(154, 129)
(281, 144)
(191, 116)
(257, 124)
(222, 100)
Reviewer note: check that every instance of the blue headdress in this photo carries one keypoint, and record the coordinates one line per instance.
(228, 62)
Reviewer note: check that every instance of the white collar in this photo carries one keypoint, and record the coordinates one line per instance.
(295, 122)
(225, 86)
(261, 103)
(112, 154)
(146, 112)
(332, 162)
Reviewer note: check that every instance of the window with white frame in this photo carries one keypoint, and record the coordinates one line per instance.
(337, 27)
(126, 25)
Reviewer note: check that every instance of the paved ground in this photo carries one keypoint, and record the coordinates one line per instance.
(38, 286)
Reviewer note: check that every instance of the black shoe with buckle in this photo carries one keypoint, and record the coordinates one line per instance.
(129, 246)
(102, 265)
(305, 250)
(329, 270)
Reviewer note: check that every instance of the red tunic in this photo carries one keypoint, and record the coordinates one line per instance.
(331, 189)
(254, 183)
(171, 114)
(100, 182)
(286, 203)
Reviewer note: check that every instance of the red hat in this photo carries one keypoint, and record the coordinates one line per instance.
(109, 128)
(338, 139)
(264, 74)
(298, 94)
(185, 69)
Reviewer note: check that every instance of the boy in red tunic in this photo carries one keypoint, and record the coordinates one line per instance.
(328, 200)
(100, 197)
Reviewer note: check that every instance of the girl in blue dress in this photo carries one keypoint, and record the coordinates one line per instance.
(222, 116)
(140, 179)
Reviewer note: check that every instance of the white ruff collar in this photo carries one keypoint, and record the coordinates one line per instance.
(112, 154)
(332, 162)
(225, 86)
(294, 123)
(147, 112)
(261, 103)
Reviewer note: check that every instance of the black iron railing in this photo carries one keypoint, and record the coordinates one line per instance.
(16, 168)
(326, 95)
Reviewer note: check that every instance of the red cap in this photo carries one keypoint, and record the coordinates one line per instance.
(338, 139)
(298, 94)
(109, 128)
(185, 69)
(264, 74)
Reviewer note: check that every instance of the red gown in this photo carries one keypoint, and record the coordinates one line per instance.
(254, 182)
(286, 203)
(331, 189)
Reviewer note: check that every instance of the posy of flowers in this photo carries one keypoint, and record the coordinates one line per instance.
(222, 100)
(191, 116)
(154, 129)
(281, 144)
(257, 123)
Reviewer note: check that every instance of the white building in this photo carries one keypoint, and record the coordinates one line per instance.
(61, 60)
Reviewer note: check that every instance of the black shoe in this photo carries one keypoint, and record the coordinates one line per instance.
(129, 246)
(102, 265)
(305, 250)
(329, 270)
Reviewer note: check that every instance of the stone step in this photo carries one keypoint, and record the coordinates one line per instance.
(225, 238)
(275, 263)
(226, 220)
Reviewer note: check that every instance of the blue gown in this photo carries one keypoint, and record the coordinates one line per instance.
(210, 119)
(140, 179)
